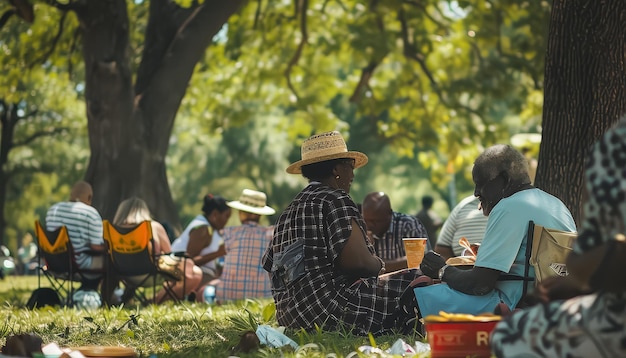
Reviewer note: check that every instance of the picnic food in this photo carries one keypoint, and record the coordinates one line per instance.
(461, 317)
(461, 261)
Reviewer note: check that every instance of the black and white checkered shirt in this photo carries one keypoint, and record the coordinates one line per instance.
(308, 285)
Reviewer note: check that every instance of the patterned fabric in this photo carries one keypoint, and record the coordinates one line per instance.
(605, 210)
(465, 220)
(586, 326)
(84, 226)
(309, 289)
(391, 247)
(243, 275)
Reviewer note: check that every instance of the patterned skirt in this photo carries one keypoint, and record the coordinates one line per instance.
(585, 326)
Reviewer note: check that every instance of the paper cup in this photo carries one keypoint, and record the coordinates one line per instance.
(414, 248)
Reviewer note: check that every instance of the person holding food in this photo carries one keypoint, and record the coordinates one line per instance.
(591, 324)
(502, 185)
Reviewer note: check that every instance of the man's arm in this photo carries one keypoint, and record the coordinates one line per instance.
(445, 251)
(396, 264)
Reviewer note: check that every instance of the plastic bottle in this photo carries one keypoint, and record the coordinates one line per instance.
(209, 294)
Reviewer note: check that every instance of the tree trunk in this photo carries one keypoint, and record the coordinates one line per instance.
(129, 129)
(585, 91)
(8, 120)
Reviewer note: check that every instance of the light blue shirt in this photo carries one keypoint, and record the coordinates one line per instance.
(504, 249)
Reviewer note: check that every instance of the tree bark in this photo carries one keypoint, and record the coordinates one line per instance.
(8, 119)
(130, 128)
(585, 91)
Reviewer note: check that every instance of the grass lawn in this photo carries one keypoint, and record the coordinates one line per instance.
(169, 330)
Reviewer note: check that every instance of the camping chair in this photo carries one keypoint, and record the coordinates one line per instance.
(132, 258)
(546, 253)
(60, 268)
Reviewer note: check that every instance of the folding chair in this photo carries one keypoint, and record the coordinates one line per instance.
(132, 258)
(546, 252)
(60, 268)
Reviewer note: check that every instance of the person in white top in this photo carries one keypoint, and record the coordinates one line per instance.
(201, 239)
(465, 220)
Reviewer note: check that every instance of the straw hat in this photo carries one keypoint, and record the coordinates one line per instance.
(323, 147)
(252, 201)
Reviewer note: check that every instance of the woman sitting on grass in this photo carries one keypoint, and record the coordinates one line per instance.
(323, 269)
(134, 211)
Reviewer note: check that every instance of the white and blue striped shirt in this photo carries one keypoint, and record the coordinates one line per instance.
(84, 227)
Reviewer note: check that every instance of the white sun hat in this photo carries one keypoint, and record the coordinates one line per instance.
(252, 201)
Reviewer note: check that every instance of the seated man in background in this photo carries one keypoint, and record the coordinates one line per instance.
(84, 227)
(243, 275)
(386, 228)
(465, 220)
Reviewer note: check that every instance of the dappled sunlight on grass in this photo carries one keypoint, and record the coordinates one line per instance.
(168, 330)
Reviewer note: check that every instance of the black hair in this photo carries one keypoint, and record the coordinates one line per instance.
(214, 202)
(427, 201)
(321, 170)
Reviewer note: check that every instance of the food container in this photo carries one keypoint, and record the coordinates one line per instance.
(461, 338)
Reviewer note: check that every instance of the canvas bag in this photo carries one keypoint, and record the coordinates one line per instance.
(550, 249)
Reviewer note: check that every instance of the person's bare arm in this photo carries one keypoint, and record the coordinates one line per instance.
(161, 239)
(477, 281)
(356, 257)
(199, 238)
(97, 248)
(445, 251)
(396, 264)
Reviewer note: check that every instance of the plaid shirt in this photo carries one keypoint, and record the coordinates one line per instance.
(390, 246)
(314, 291)
(243, 276)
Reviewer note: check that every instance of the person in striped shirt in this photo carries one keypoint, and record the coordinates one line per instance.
(465, 220)
(84, 227)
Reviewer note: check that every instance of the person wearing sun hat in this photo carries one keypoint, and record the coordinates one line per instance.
(323, 270)
(242, 275)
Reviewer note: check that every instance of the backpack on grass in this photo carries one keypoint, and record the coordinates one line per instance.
(43, 296)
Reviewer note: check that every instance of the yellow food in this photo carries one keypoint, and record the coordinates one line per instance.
(461, 317)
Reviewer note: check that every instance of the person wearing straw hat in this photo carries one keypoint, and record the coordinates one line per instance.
(323, 269)
(243, 275)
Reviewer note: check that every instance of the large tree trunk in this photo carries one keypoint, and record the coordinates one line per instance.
(585, 91)
(130, 128)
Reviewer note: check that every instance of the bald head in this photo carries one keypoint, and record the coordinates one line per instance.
(81, 191)
(377, 212)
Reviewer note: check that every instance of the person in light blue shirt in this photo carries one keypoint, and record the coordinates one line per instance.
(502, 185)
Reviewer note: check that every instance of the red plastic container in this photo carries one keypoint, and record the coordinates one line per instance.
(459, 338)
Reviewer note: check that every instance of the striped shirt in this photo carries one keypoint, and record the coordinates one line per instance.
(391, 246)
(243, 275)
(84, 227)
(465, 220)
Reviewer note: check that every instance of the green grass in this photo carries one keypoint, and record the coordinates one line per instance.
(169, 330)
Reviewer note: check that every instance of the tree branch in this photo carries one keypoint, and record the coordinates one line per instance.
(44, 57)
(49, 133)
(421, 6)
(361, 87)
(6, 16)
(304, 4)
(69, 6)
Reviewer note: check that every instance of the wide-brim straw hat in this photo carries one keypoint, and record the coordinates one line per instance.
(325, 146)
(252, 201)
